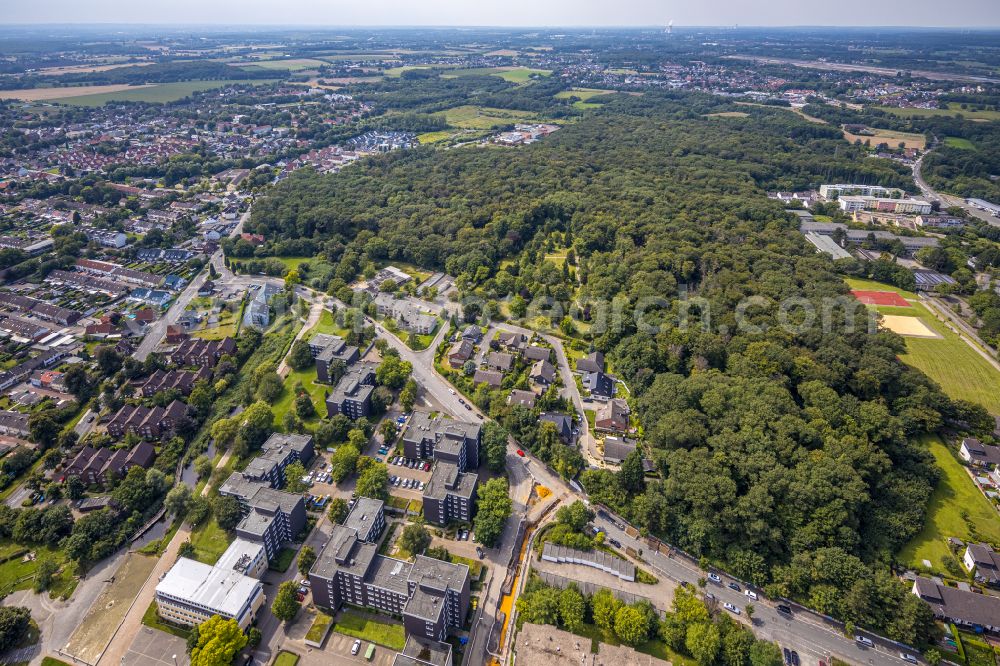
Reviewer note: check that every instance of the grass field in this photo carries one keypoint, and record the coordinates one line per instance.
(893, 138)
(209, 541)
(584, 93)
(955, 494)
(320, 626)
(950, 361)
(923, 113)
(18, 574)
(476, 117)
(292, 64)
(396, 72)
(285, 658)
(434, 137)
(370, 628)
(159, 93)
(283, 560)
(152, 619)
(959, 142)
(512, 74)
(727, 114)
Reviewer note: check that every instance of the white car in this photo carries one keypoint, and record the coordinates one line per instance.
(908, 658)
(864, 640)
(356, 647)
(731, 608)
(715, 578)
(452, 391)
(750, 594)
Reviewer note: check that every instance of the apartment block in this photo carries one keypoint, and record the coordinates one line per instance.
(444, 439)
(450, 495)
(352, 396)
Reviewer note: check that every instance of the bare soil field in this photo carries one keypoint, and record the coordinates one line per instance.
(46, 94)
(87, 69)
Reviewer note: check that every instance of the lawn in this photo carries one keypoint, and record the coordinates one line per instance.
(284, 560)
(475, 566)
(923, 113)
(209, 541)
(152, 619)
(955, 494)
(287, 400)
(52, 661)
(476, 117)
(959, 142)
(159, 93)
(17, 574)
(285, 658)
(358, 624)
(326, 324)
(320, 626)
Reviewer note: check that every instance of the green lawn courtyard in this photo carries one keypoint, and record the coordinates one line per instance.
(372, 628)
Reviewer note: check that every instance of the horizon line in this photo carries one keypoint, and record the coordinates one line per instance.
(455, 26)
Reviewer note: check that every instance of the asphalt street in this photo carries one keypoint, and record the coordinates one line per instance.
(807, 633)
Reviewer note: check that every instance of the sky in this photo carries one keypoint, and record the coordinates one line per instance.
(931, 13)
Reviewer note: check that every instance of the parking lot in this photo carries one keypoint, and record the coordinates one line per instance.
(151, 647)
(337, 650)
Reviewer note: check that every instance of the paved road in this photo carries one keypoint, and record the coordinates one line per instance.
(158, 330)
(808, 634)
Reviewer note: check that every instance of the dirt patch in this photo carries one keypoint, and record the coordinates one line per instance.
(45, 94)
(877, 136)
(911, 327)
(108, 611)
(727, 114)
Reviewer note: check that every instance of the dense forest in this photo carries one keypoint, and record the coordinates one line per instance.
(788, 457)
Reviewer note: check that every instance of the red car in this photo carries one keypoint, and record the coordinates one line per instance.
(520, 453)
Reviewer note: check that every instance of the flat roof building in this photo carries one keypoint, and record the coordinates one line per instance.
(191, 592)
(450, 495)
(443, 439)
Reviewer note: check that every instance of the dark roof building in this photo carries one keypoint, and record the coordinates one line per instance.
(563, 424)
(444, 439)
(966, 609)
(353, 392)
(616, 449)
(450, 495)
(592, 362)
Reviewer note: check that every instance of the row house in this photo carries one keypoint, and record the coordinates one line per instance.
(165, 380)
(99, 465)
(150, 423)
(202, 353)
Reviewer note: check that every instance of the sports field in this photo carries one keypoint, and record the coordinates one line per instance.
(880, 298)
(959, 369)
(158, 93)
(908, 327)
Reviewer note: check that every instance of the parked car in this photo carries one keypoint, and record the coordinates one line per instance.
(795, 658)
(714, 577)
(788, 655)
(520, 453)
(750, 594)
(909, 658)
(356, 647)
(863, 641)
(734, 586)
(479, 551)
(615, 542)
(784, 608)
(731, 608)
(427, 467)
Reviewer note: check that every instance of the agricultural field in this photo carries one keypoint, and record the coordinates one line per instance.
(512, 74)
(923, 113)
(948, 360)
(482, 118)
(955, 507)
(62, 94)
(893, 138)
(434, 137)
(158, 93)
(959, 142)
(292, 64)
